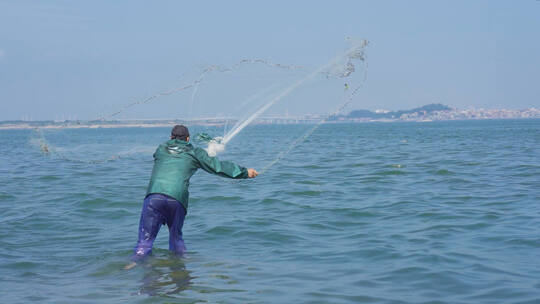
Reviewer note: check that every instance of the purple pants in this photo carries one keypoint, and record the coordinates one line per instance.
(159, 209)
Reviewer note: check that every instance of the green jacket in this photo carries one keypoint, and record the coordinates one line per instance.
(175, 161)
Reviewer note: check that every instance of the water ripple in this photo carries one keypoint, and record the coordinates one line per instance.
(377, 213)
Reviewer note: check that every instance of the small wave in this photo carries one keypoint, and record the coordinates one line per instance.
(331, 297)
(306, 193)
(390, 172)
(523, 242)
(443, 172)
(308, 182)
(220, 231)
(96, 202)
(49, 177)
(5, 196)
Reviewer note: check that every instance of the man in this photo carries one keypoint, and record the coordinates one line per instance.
(166, 201)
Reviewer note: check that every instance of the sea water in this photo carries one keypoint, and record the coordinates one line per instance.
(434, 212)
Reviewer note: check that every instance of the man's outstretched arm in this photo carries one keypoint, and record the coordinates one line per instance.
(222, 168)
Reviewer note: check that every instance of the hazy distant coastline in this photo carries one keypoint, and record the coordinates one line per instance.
(431, 112)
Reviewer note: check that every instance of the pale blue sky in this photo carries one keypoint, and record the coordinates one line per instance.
(85, 58)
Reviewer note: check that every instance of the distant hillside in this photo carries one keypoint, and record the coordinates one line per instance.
(396, 114)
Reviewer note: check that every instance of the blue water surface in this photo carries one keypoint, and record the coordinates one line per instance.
(435, 212)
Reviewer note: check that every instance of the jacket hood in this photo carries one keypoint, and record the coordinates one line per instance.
(177, 146)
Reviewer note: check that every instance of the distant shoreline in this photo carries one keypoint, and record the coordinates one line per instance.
(24, 125)
(427, 113)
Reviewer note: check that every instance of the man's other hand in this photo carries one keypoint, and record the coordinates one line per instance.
(252, 173)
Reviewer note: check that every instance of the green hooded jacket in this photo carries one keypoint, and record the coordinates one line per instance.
(175, 161)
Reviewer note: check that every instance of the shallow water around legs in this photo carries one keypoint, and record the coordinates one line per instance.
(438, 212)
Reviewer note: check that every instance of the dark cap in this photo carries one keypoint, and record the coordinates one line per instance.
(180, 132)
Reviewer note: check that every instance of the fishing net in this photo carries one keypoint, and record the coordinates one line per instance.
(219, 101)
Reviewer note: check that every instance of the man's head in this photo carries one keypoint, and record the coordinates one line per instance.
(180, 132)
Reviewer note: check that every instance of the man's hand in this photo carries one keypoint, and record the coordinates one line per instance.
(252, 173)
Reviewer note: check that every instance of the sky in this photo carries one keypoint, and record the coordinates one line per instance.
(84, 59)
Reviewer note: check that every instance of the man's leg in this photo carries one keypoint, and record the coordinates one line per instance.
(176, 222)
(151, 221)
